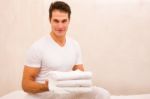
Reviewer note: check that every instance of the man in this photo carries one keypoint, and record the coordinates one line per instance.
(55, 51)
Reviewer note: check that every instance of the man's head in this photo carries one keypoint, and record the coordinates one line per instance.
(59, 16)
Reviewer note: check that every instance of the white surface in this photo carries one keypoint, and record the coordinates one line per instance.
(21, 94)
(142, 96)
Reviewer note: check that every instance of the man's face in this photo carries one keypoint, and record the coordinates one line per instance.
(59, 23)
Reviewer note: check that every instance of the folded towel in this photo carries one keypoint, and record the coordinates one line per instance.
(71, 75)
(77, 89)
(69, 90)
(66, 90)
(74, 83)
(52, 87)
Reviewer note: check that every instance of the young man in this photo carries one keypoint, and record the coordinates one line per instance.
(55, 52)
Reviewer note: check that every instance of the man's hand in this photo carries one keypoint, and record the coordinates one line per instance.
(79, 67)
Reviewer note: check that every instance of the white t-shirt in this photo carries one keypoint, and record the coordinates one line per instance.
(49, 56)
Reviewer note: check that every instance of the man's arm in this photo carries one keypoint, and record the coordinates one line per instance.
(28, 81)
(79, 66)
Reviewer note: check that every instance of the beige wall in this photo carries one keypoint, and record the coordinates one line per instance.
(113, 34)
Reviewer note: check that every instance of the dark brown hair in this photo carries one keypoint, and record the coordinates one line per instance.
(61, 6)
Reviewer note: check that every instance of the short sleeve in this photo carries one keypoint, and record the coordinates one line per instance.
(79, 55)
(33, 57)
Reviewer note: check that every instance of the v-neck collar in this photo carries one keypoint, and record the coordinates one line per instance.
(56, 44)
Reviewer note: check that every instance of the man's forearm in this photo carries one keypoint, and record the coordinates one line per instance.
(34, 87)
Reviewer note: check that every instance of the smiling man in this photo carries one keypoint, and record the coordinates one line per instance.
(55, 52)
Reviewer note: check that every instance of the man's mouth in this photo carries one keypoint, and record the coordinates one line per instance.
(60, 30)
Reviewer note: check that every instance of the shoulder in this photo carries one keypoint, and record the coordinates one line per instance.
(39, 44)
(72, 41)
(74, 44)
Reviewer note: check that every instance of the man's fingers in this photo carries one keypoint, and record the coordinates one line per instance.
(46, 82)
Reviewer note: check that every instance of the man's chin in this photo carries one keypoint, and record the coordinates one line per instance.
(60, 34)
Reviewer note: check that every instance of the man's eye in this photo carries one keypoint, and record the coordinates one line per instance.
(64, 21)
(56, 21)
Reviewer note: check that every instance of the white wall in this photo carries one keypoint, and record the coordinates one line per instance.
(113, 34)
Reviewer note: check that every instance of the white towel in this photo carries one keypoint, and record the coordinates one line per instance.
(77, 89)
(66, 90)
(72, 75)
(74, 83)
(52, 87)
(69, 82)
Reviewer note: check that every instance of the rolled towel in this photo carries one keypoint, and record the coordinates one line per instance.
(71, 75)
(74, 83)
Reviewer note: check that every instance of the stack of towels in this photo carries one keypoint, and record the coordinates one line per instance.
(70, 82)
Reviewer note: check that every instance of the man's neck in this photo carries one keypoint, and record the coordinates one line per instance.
(59, 40)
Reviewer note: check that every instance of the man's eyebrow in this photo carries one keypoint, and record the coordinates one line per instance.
(64, 20)
(56, 20)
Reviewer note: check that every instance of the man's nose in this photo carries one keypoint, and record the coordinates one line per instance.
(60, 25)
